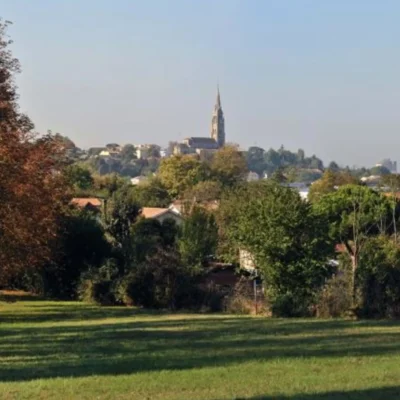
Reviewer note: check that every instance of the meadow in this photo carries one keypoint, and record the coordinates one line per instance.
(70, 350)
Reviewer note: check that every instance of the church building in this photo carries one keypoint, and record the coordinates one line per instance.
(216, 140)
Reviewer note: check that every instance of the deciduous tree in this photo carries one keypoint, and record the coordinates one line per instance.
(32, 190)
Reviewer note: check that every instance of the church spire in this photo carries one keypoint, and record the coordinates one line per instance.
(218, 122)
(218, 103)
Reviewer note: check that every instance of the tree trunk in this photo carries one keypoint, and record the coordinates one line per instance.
(354, 265)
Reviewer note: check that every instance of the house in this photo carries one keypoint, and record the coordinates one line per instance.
(180, 206)
(88, 203)
(139, 179)
(161, 214)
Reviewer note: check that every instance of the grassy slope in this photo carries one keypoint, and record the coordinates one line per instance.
(57, 350)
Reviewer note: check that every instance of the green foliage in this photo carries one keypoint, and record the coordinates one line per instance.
(122, 212)
(148, 235)
(335, 299)
(198, 238)
(378, 279)
(180, 173)
(379, 170)
(354, 213)
(152, 194)
(79, 177)
(261, 161)
(329, 182)
(205, 191)
(161, 281)
(81, 246)
(288, 241)
(228, 166)
(97, 285)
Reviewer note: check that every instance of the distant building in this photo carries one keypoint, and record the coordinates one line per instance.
(218, 123)
(389, 164)
(252, 176)
(192, 145)
(161, 214)
(139, 179)
(142, 153)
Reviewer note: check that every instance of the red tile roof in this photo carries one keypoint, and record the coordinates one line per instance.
(153, 212)
(84, 202)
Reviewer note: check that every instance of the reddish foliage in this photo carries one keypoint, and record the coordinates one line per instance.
(32, 190)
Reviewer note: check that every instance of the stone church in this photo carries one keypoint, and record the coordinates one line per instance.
(216, 140)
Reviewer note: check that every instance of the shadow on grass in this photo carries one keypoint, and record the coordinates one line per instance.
(86, 346)
(383, 393)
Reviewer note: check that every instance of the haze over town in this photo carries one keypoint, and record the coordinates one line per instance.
(322, 76)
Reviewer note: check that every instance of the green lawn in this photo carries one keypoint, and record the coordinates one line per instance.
(61, 350)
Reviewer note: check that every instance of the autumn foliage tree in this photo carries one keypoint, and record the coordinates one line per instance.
(31, 187)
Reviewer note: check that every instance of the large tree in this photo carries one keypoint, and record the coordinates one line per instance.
(229, 165)
(329, 182)
(31, 187)
(180, 173)
(354, 213)
(289, 243)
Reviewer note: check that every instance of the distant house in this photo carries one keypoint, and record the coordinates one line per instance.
(88, 203)
(161, 214)
(252, 176)
(139, 179)
(180, 206)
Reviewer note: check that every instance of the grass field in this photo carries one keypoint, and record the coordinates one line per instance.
(60, 350)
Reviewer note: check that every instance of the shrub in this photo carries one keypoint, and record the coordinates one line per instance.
(98, 286)
(292, 305)
(335, 298)
(241, 300)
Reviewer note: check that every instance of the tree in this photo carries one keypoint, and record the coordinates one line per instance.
(79, 177)
(32, 189)
(128, 153)
(329, 182)
(353, 214)
(378, 277)
(229, 166)
(333, 166)
(288, 241)
(179, 173)
(198, 238)
(278, 176)
(379, 170)
(121, 214)
(81, 245)
(255, 159)
(392, 181)
(152, 194)
(204, 191)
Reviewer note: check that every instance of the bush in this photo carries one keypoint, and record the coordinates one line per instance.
(98, 286)
(241, 300)
(378, 279)
(292, 305)
(335, 298)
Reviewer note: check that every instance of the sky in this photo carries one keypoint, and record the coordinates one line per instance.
(323, 76)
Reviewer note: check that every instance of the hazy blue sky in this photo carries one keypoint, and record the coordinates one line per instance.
(317, 74)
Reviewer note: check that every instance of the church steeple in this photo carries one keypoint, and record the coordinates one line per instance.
(218, 122)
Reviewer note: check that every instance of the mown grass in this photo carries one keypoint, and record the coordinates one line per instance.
(66, 350)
